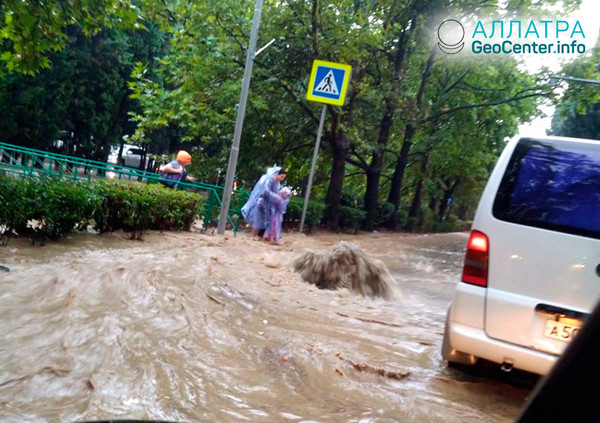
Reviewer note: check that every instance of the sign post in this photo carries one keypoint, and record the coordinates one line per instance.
(328, 84)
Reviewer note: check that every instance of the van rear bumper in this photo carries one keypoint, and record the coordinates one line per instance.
(470, 340)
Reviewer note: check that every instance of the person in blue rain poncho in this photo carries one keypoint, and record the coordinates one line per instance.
(259, 209)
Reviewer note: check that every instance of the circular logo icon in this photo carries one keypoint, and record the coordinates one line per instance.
(451, 34)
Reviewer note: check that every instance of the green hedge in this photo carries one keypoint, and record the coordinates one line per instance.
(314, 213)
(384, 212)
(350, 217)
(135, 207)
(43, 209)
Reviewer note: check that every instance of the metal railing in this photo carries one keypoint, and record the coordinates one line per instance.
(34, 163)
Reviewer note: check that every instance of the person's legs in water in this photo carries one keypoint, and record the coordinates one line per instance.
(257, 233)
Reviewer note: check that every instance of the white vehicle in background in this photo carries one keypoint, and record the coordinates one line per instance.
(532, 267)
(131, 156)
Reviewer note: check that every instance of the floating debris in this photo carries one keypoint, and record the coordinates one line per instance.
(367, 368)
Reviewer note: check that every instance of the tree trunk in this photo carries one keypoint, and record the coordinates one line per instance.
(371, 198)
(409, 132)
(462, 212)
(432, 204)
(398, 177)
(339, 146)
(415, 208)
(374, 172)
(142, 165)
(315, 21)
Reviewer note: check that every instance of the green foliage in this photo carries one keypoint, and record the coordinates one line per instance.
(351, 218)
(195, 84)
(578, 112)
(81, 99)
(384, 211)
(49, 209)
(451, 225)
(35, 29)
(14, 198)
(428, 221)
(402, 219)
(209, 167)
(314, 213)
(45, 209)
(136, 207)
(575, 124)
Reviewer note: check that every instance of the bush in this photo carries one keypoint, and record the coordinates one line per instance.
(66, 206)
(351, 218)
(444, 226)
(411, 224)
(314, 213)
(427, 222)
(401, 218)
(453, 225)
(135, 208)
(45, 209)
(463, 225)
(49, 208)
(384, 212)
(14, 199)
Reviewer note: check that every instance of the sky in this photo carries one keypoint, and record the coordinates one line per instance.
(589, 17)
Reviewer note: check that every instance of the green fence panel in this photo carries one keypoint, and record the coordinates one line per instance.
(32, 163)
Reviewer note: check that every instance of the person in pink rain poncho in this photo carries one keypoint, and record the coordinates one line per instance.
(279, 207)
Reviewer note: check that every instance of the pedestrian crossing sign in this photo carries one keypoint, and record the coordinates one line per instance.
(328, 82)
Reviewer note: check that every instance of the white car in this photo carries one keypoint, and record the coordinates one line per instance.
(532, 267)
(131, 156)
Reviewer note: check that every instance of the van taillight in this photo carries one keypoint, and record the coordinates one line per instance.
(475, 270)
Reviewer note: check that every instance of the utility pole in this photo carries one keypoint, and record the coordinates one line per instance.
(239, 123)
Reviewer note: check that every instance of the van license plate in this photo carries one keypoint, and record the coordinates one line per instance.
(560, 331)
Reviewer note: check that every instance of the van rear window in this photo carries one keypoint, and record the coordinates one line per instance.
(553, 185)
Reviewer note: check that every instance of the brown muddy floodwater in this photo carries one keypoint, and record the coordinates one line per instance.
(198, 328)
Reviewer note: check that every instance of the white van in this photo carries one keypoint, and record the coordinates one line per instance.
(532, 266)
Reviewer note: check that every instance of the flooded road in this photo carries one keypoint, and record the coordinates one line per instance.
(192, 327)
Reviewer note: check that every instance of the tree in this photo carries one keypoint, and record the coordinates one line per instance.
(83, 98)
(577, 112)
(32, 30)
